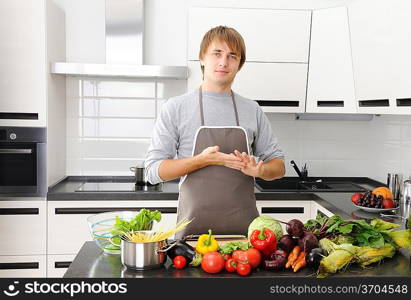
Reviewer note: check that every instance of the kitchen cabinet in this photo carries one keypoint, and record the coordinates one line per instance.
(23, 266)
(277, 87)
(23, 227)
(57, 265)
(330, 79)
(32, 34)
(319, 209)
(285, 210)
(277, 43)
(380, 36)
(269, 35)
(67, 227)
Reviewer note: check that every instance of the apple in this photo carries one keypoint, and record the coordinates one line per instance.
(355, 198)
(387, 203)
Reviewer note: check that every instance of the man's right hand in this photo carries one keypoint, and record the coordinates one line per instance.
(212, 156)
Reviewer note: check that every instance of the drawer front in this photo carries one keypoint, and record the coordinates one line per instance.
(23, 227)
(57, 265)
(23, 266)
(285, 210)
(67, 220)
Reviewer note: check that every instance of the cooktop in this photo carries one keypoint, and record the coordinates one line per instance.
(118, 187)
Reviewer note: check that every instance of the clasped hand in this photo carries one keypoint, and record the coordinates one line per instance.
(237, 160)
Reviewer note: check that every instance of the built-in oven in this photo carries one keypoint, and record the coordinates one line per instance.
(23, 161)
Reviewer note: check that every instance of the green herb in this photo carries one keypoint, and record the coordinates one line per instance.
(230, 247)
(360, 232)
(142, 221)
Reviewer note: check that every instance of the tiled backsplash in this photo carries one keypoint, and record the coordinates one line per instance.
(109, 124)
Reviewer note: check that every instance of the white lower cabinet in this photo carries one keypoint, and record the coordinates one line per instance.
(67, 227)
(57, 265)
(23, 266)
(319, 209)
(23, 227)
(286, 210)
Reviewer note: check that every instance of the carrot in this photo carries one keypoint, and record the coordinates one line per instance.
(292, 257)
(300, 263)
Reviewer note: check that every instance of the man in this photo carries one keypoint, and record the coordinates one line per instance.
(215, 134)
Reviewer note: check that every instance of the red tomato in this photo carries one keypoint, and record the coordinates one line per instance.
(212, 262)
(226, 256)
(230, 265)
(254, 257)
(244, 269)
(240, 256)
(179, 262)
(251, 256)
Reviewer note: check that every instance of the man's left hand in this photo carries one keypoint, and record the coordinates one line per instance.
(252, 168)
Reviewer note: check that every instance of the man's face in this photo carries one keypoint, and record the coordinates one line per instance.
(220, 63)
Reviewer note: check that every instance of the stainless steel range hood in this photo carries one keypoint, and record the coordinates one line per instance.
(124, 26)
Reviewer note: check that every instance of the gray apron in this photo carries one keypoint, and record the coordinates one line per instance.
(216, 197)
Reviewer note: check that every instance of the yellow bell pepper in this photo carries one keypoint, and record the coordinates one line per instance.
(206, 243)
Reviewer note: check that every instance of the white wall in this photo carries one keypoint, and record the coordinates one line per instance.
(330, 148)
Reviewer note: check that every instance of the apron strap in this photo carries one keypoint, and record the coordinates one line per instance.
(200, 98)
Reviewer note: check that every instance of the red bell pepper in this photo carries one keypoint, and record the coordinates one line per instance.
(266, 243)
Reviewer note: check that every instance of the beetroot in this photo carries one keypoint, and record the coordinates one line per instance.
(286, 243)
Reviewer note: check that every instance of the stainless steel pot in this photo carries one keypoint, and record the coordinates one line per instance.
(143, 256)
(140, 175)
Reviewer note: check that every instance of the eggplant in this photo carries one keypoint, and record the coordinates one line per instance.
(181, 248)
(314, 257)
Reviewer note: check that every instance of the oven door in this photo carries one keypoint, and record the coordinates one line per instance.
(18, 168)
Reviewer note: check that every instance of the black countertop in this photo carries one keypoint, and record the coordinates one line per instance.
(92, 262)
(67, 190)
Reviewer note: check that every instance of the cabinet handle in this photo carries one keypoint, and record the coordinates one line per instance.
(16, 151)
(62, 264)
(96, 210)
(279, 103)
(19, 211)
(330, 103)
(374, 103)
(282, 210)
(25, 265)
(19, 116)
(404, 102)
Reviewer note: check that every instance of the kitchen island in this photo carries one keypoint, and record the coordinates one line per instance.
(91, 262)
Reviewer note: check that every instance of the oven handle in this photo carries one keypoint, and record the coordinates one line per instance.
(16, 151)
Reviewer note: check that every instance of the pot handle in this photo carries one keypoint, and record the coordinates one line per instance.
(111, 241)
(167, 247)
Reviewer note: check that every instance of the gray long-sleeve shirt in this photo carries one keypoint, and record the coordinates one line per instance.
(175, 129)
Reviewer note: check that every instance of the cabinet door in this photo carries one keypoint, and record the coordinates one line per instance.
(285, 210)
(57, 265)
(23, 227)
(68, 229)
(277, 87)
(380, 36)
(269, 35)
(23, 266)
(330, 79)
(23, 62)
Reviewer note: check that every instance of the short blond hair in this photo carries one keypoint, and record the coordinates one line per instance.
(226, 34)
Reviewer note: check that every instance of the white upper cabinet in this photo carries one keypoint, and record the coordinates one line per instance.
(277, 45)
(269, 35)
(330, 79)
(23, 63)
(381, 47)
(277, 87)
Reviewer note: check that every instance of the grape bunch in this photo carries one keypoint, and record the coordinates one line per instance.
(368, 199)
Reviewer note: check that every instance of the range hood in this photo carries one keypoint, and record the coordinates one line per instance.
(124, 27)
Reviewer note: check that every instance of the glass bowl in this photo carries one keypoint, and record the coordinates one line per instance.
(100, 226)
